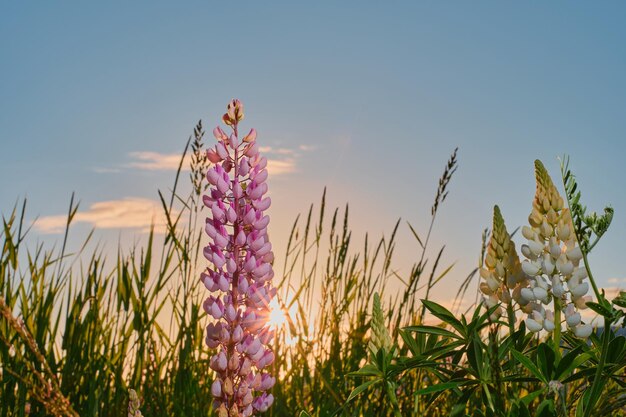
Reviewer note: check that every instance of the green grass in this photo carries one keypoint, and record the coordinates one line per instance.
(104, 326)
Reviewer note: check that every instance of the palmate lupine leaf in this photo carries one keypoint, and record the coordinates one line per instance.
(585, 225)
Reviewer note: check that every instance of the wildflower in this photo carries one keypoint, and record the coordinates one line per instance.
(133, 404)
(240, 277)
(553, 259)
(555, 386)
(504, 279)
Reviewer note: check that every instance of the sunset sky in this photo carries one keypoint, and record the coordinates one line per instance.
(365, 98)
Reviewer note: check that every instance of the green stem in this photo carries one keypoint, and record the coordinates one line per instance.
(416, 401)
(593, 281)
(606, 339)
(511, 318)
(393, 399)
(557, 327)
(596, 388)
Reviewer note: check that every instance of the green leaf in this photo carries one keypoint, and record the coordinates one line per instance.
(358, 390)
(432, 330)
(438, 388)
(532, 368)
(475, 356)
(571, 361)
(304, 414)
(620, 300)
(616, 350)
(529, 398)
(367, 370)
(546, 359)
(601, 309)
(546, 409)
(445, 315)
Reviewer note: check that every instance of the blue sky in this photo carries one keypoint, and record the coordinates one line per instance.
(368, 99)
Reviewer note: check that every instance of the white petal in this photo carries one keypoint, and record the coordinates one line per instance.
(583, 331)
(573, 320)
(533, 326)
(580, 290)
(548, 325)
(540, 293)
(527, 294)
(530, 268)
(575, 254)
(567, 268)
(528, 233)
(535, 247)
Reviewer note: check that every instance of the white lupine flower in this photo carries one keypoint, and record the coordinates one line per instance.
(528, 233)
(527, 294)
(574, 254)
(536, 248)
(533, 326)
(545, 229)
(548, 265)
(555, 248)
(564, 266)
(553, 258)
(583, 331)
(548, 325)
(492, 283)
(530, 268)
(564, 232)
(502, 274)
(580, 273)
(548, 322)
(557, 287)
(581, 303)
(573, 320)
(579, 290)
(540, 294)
(491, 301)
(541, 282)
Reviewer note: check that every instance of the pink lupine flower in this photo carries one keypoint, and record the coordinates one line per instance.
(241, 271)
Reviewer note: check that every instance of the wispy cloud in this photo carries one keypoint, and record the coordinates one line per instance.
(281, 166)
(617, 280)
(280, 160)
(154, 161)
(277, 151)
(127, 213)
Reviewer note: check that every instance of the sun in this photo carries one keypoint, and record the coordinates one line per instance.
(277, 316)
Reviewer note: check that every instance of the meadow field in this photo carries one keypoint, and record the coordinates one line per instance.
(85, 335)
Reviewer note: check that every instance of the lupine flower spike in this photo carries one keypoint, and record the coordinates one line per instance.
(240, 277)
(502, 273)
(133, 404)
(552, 263)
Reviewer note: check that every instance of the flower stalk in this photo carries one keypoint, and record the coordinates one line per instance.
(553, 264)
(240, 277)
